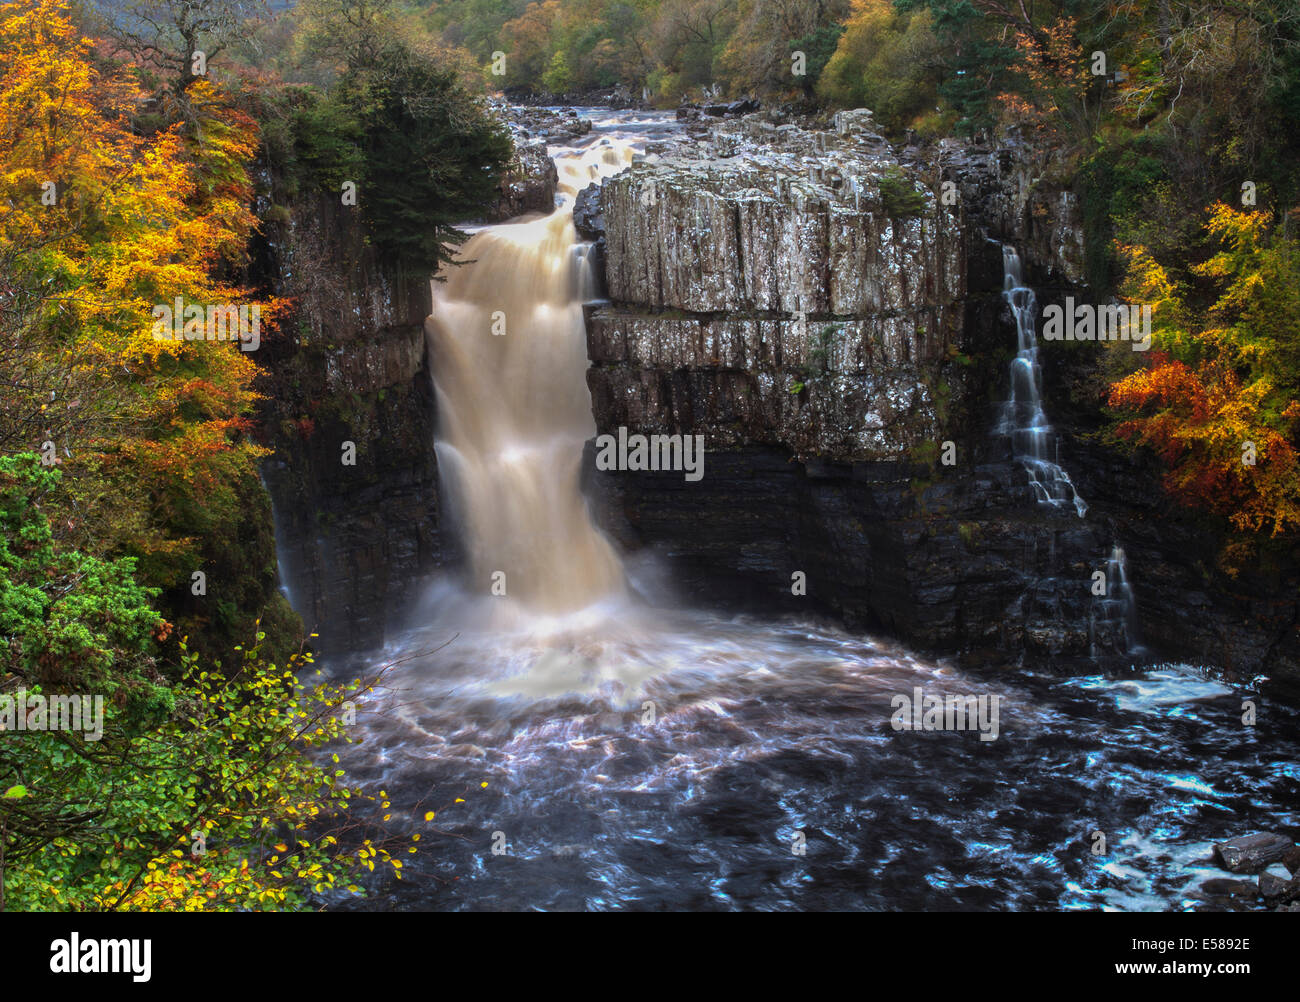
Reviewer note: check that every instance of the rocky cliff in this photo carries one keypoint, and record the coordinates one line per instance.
(852, 443)
(793, 303)
(350, 416)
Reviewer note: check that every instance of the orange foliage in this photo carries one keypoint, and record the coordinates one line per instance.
(103, 225)
(1218, 402)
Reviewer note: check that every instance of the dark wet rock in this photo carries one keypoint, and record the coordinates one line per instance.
(1292, 860)
(530, 183)
(555, 125)
(964, 565)
(529, 186)
(588, 219)
(618, 97)
(1277, 890)
(353, 541)
(1016, 193)
(1222, 887)
(1252, 853)
(734, 109)
(688, 112)
(1189, 609)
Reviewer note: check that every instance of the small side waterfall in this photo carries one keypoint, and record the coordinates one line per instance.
(1023, 418)
(1115, 612)
(1113, 619)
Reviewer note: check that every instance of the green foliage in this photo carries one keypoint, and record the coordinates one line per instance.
(1118, 186)
(312, 138)
(67, 619)
(422, 150)
(884, 62)
(818, 46)
(217, 808)
(898, 195)
(432, 155)
(558, 77)
(976, 59)
(216, 764)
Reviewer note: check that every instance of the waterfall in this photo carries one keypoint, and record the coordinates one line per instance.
(1117, 609)
(509, 362)
(1023, 418)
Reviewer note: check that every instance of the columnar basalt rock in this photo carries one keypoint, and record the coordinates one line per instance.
(767, 267)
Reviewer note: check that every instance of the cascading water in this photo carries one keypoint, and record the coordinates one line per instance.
(654, 757)
(1023, 418)
(1116, 610)
(509, 353)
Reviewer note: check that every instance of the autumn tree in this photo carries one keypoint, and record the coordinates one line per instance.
(527, 42)
(152, 433)
(760, 55)
(1219, 398)
(178, 39)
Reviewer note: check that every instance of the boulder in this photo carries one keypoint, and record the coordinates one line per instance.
(1252, 853)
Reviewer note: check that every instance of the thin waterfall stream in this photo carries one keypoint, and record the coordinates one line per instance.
(1023, 416)
(642, 754)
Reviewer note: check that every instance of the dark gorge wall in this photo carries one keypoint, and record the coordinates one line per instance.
(349, 366)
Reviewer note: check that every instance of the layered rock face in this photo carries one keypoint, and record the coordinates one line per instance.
(793, 307)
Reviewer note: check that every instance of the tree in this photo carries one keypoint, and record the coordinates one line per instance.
(1219, 398)
(528, 44)
(885, 61)
(198, 795)
(106, 224)
(758, 56)
(178, 38)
